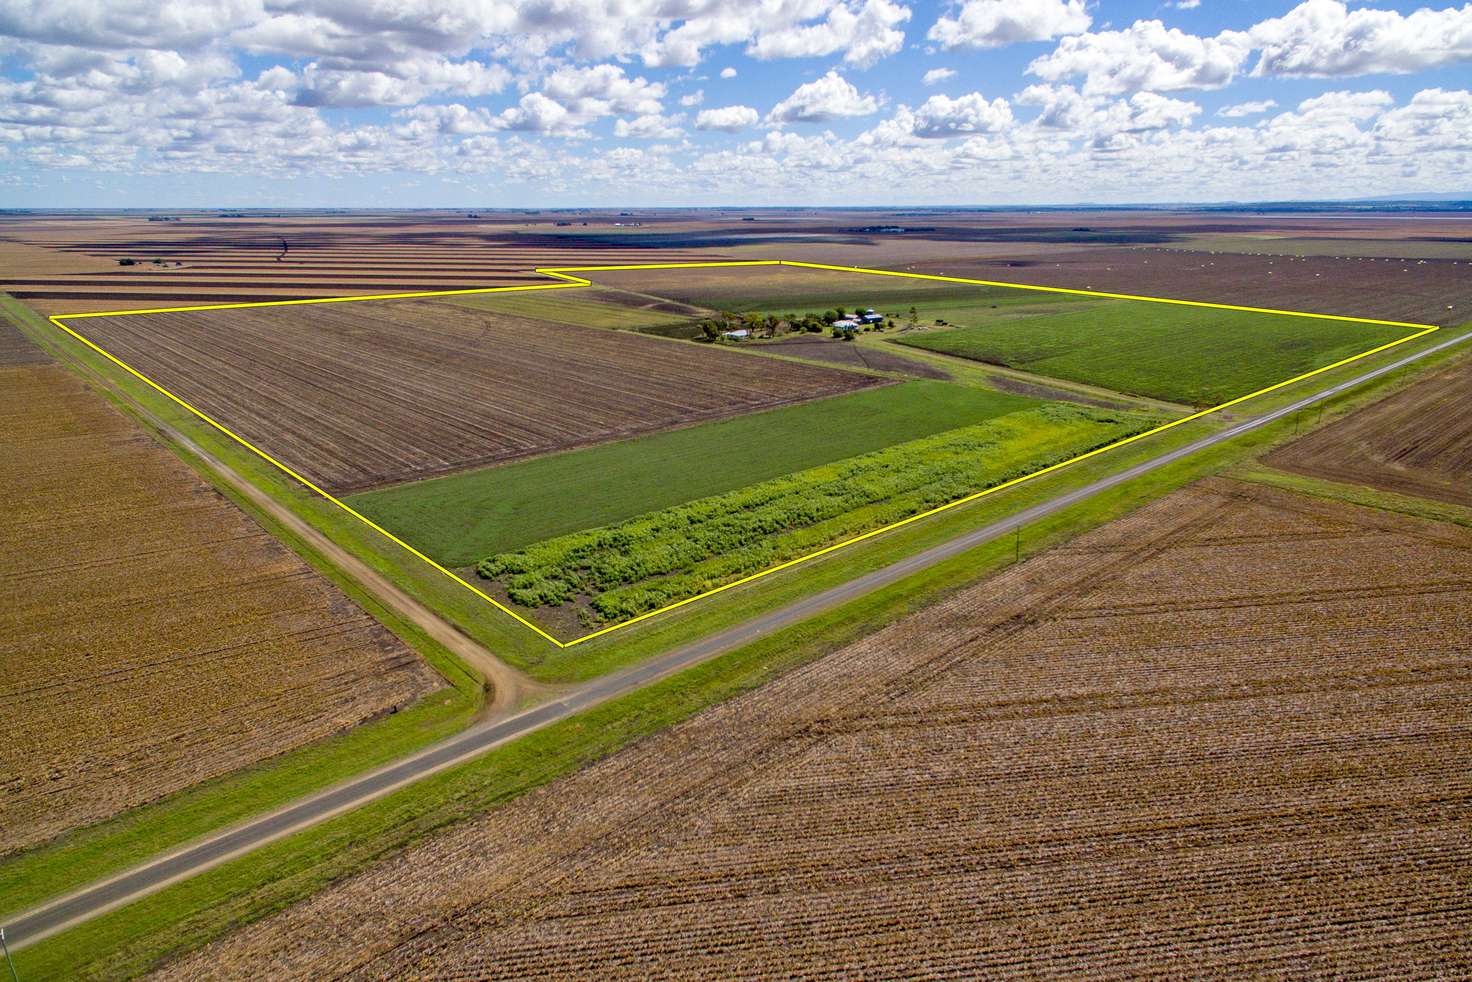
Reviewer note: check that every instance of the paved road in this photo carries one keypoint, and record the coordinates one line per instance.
(204, 854)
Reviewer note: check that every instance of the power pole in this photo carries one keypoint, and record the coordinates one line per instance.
(14, 977)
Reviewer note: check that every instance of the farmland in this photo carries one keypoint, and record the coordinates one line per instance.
(1416, 442)
(460, 519)
(68, 264)
(153, 636)
(1062, 771)
(590, 308)
(669, 555)
(1190, 355)
(359, 395)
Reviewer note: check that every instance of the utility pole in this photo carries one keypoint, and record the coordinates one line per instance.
(14, 977)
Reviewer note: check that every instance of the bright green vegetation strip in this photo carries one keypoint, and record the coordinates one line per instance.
(669, 555)
(462, 518)
(1189, 355)
(563, 307)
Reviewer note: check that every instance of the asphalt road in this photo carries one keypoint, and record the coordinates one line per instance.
(201, 855)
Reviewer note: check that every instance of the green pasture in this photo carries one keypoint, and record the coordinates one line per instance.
(462, 518)
(1191, 355)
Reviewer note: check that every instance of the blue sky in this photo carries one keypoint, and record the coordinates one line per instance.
(510, 103)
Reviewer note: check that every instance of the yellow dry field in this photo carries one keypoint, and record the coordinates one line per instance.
(151, 634)
(1229, 736)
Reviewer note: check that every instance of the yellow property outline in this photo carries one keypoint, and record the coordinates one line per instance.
(566, 280)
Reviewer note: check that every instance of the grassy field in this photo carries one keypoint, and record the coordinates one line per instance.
(573, 307)
(666, 556)
(462, 518)
(127, 941)
(790, 289)
(1189, 355)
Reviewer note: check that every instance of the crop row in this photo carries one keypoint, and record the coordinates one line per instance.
(665, 556)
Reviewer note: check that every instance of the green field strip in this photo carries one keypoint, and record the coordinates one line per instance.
(462, 518)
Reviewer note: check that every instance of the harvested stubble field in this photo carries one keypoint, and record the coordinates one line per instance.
(1207, 739)
(1417, 442)
(358, 395)
(151, 635)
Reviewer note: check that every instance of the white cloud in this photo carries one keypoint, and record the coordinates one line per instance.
(728, 72)
(1240, 109)
(1145, 56)
(602, 90)
(693, 99)
(1435, 121)
(830, 97)
(406, 83)
(865, 33)
(937, 75)
(124, 24)
(992, 23)
(536, 113)
(727, 118)
(1186, 4)
(940, 116)
(1347, 105)
(1323, 38)
(650, 127)
(1067, 110)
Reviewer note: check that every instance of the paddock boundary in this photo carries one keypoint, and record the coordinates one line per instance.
(568, 280)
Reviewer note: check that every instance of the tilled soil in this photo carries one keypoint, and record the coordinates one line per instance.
(153, 636)
(1416, 442)
(358, 395)
(1211, 739)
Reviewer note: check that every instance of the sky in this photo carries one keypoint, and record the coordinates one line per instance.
(576, 103)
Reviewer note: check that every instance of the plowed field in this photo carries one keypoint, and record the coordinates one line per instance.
(1417, 442)
(357, 395)
(1229, 736)
(151, 635)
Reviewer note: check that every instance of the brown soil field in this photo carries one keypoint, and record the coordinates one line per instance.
(1207, 740)
(151, 635)
(16, 348)
(1416, 442)
(358, 395)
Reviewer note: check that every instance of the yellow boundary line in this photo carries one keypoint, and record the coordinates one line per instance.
(568, 281)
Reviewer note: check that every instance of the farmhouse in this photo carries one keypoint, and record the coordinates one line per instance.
(846, 324)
